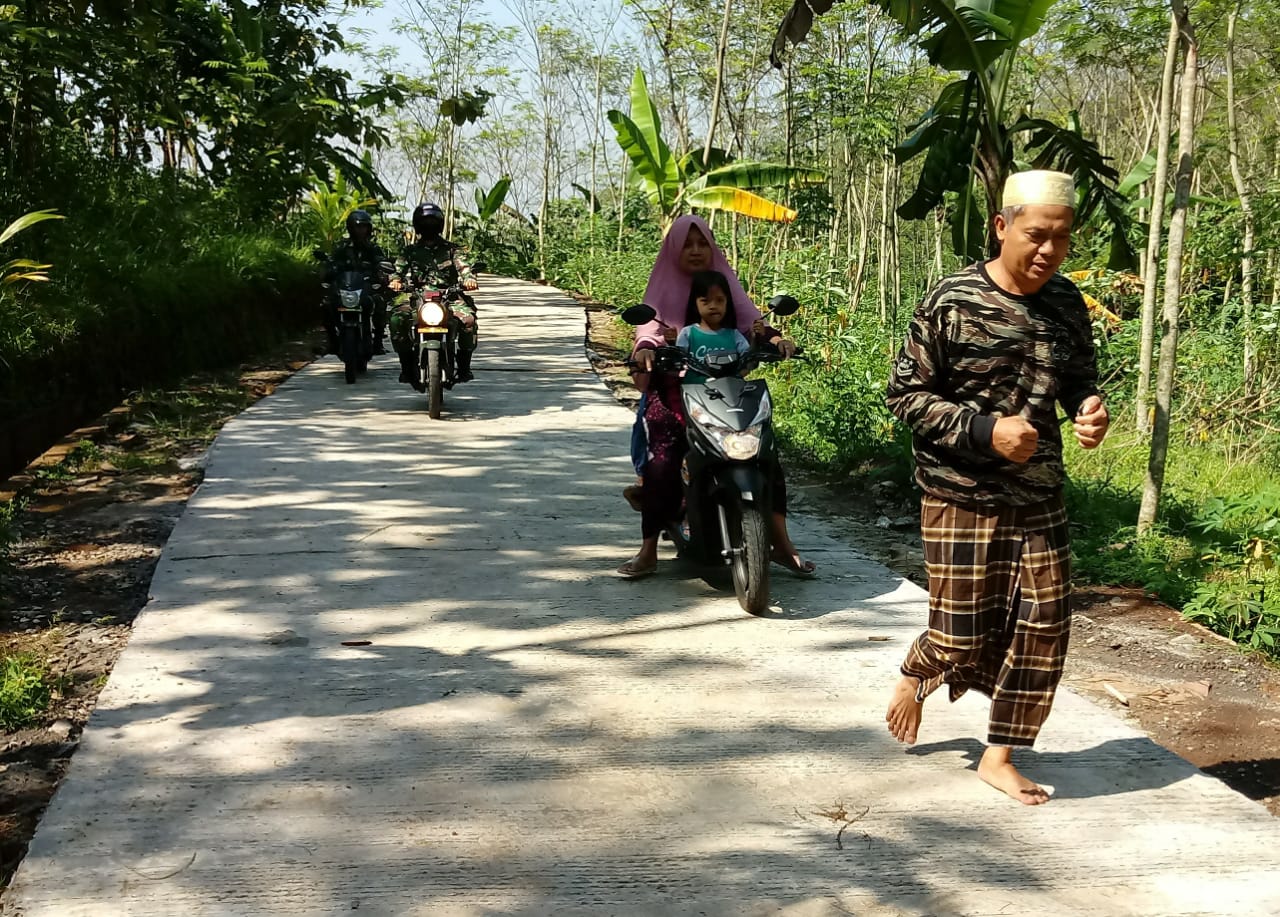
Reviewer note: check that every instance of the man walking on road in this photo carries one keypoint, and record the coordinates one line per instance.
(987, 355)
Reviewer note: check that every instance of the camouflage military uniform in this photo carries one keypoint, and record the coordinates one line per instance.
(425, 257)
(997, 546)
(351, 255)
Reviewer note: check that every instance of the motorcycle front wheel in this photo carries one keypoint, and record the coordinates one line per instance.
(350, 351)
(749, 532)
(435, 385)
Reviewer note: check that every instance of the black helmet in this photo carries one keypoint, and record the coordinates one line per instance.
(359, 218)
(428, 220)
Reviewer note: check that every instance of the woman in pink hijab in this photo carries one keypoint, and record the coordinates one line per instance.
(689, 247)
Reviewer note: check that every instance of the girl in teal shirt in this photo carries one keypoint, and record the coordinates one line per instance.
(716, 328)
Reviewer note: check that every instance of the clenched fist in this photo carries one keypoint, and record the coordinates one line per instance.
(1015, 439)
(1091, 422)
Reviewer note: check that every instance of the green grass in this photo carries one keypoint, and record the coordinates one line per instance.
(1214, 547)
(25, 690)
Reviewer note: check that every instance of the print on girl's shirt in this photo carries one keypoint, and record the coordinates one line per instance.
(698, 343)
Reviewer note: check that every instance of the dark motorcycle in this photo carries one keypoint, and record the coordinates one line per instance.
(350, 294)
(435, 332)
(732, 463)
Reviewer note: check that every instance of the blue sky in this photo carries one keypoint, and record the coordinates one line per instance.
(379, 22)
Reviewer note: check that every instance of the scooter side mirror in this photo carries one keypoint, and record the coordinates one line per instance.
(480, 267)
(639, 315)
(784, 305)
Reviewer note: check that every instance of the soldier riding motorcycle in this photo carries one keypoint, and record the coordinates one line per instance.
(432, 261)
(358, 252)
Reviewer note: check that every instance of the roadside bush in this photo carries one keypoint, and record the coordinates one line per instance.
(1213, 553)
(1240, 594)
(24, 691)
(150, 278)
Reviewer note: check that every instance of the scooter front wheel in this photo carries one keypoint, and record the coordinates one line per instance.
(749, 532)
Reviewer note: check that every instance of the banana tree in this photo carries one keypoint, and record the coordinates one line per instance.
(19, 270)
(488, 205)
(673, 185)
(966, 136)
(327, 209)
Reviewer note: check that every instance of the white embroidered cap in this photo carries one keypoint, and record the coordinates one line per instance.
(1040, 186)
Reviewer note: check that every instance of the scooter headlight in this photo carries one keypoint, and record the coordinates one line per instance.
(701, 416)
(741, 446)
(738, 445)
(431, 313)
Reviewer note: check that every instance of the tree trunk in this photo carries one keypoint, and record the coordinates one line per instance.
(864, 238)
(622, 198)
(1151, 266)
(546, 195)
(895, 230)
(789, 113)
(1246, 205)
(1173, 274)
(721, 49)
(882, 247)
(939, 222)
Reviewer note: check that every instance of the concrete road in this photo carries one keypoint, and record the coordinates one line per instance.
(526, 734)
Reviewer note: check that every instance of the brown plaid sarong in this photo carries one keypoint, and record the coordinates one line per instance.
(999, 609)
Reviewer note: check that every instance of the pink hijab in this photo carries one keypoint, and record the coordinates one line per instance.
(668, 289)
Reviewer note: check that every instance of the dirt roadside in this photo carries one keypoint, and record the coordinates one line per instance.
(1193, 692)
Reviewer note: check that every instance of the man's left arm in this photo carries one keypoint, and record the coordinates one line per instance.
(464, 270)
(1078, 381)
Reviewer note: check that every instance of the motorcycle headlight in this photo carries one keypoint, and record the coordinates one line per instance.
(431, 313)
(350, 298)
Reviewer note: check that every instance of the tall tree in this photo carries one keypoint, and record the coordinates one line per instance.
(1151, 266)
(1246, 203)
(1173, 272)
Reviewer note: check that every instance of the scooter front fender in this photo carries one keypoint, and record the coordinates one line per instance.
(749, 482)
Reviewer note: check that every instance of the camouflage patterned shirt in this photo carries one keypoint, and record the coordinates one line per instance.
(975, 352)
(428, 255)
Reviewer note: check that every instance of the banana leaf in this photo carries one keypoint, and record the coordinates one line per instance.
(736, 200)
(27, 221)
(22, 269)
(640, 135)
(968, 225)
(1138, 175)
(757, 175)
(488, 205)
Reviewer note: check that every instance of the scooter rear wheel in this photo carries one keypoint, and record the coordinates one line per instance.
(749, 531)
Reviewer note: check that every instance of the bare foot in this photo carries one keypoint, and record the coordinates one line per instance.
(904, 711)
(996, 769)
